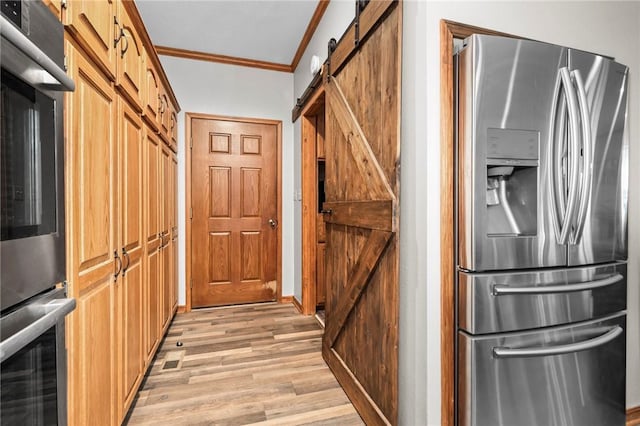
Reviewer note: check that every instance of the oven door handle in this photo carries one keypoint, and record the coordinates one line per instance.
(55, 310)
(603, 339)
(14, 36)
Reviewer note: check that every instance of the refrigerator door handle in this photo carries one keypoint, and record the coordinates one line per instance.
(603, 339)
(505, 290)
(556, 196)
(574, 133)
(587, 153)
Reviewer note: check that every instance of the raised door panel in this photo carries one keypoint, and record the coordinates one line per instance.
(130, 59)
(152, 321)
(167, 284)
(92, 357)
(130, 337)
(165, 115)
(173, 128)
(151, 110)
(152, 186)
(131, 182)
(92, 23)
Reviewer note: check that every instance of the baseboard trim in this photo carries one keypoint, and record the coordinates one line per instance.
(633, 416)
(286, 299)
(181, 309)
(296, 304)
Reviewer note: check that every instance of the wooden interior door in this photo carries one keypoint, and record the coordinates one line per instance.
(234, 238)
(362, 144)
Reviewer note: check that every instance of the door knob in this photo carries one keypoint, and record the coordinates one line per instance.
(273, 223)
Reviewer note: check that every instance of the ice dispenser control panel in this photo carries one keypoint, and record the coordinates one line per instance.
(512, 182)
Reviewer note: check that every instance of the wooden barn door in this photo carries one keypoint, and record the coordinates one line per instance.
(362, 187)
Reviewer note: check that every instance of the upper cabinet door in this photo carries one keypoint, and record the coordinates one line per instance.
(92, 23)
(600, 229)
(165, 114)
(173, 126)
(130, 59)
(151, 95)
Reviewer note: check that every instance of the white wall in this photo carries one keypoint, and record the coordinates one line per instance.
(220, 89)
(335, 21)
(607, 27)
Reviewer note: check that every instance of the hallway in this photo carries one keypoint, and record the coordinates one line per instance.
(251, 364)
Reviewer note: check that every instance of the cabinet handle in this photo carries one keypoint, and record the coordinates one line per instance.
(118, 33)
(119, 263)
(125, 254)
(126, 44)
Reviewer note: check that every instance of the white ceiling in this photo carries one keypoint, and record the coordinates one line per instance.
(266, 30)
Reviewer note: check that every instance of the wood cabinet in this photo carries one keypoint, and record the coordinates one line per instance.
(152, 289)
(92, 23)
(130, 77)
(120, 177)
(55, 6)
(91, 215)
(165, 234)
(130, 245)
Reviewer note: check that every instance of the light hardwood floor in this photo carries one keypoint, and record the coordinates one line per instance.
(254, 364)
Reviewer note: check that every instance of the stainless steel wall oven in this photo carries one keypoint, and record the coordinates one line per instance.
(32, 239)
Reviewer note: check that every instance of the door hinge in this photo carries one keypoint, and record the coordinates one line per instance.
(190, 143)
(190, 212)
(65, 63)
(191, 283)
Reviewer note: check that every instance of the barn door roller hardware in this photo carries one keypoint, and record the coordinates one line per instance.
(360, 5)
(331, 47)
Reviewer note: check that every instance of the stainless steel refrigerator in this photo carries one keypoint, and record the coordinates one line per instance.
(542, 176)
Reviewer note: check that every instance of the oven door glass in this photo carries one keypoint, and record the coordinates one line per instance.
(27, 167)
(29, 384)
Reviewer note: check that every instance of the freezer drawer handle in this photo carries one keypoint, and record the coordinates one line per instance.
(505, 352)
(505, 290)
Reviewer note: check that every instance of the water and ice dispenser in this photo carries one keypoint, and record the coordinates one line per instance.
(512, 182)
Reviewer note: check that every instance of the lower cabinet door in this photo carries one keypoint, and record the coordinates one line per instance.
(568, 375)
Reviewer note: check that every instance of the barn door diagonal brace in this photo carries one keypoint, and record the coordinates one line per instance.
(360, 5)
(366, 162)
(358, 279)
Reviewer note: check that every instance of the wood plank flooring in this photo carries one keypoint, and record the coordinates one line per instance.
(253, 364)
